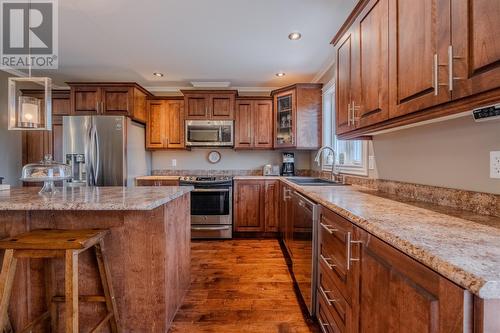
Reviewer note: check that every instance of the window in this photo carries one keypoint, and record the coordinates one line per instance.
(351, 155)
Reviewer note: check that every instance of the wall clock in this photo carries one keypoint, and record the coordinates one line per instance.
(214, 157)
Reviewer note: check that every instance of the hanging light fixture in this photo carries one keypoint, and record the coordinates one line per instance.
(27, 112)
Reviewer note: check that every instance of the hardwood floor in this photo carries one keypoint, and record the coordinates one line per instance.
(240, 286)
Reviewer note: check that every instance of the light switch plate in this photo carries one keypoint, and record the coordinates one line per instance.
(495, 164)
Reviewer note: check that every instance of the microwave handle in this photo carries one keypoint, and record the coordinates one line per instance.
(220, 133)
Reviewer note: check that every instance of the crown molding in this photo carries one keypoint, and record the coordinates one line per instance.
(326, 66)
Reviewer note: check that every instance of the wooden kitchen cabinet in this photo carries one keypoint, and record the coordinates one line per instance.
(253, 123)
(401, 295)
(345, 81)
(419, 36)
(297, 116)
(271, 205)
(475, 47)
(256, 206)
(366, 285)
(125, 99)
(209, 104)
(370, 97)
(403, 62)
(165, 125)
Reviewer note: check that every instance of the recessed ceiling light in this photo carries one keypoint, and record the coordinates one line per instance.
(158, 74)
(280, 74)
(294, 36)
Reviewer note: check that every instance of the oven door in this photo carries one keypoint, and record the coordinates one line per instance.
(211, 206)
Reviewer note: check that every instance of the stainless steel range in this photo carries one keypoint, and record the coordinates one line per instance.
(211, 206)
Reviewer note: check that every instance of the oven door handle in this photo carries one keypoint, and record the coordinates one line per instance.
(211, 190)
(210, 228)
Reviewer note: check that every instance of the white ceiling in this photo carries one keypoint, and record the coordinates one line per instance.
(241, 41)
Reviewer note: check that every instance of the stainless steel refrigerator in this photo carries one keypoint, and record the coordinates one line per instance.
(105, 150)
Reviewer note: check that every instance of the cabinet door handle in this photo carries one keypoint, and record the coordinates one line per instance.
(349, 116)
(325, 295)
(435, 74)
(326, 261)
(97, 104)
(328, 228)
(354, 109)
(451, 76)
(323, 325)
(349, 250)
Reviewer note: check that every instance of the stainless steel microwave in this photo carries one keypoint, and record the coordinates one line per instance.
(209, 133)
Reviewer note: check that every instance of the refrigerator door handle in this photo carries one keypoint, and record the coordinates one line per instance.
(89, 156)
(97, 155)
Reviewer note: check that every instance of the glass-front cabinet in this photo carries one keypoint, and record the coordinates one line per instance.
(285, 119)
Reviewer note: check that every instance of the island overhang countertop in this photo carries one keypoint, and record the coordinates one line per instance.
(91, 198)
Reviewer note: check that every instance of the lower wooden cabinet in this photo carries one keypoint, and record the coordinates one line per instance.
(165, 125)
(366, 285)
(398, 294)
(256, 205)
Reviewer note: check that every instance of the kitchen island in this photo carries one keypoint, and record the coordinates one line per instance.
(148, 250)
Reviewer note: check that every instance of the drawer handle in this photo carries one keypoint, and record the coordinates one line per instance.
(323, 325)
(325, 260)
(329, 229)
(325, 295)
(349, 250)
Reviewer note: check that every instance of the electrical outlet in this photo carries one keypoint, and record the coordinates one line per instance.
(371, 162)
(174, 162)
(495, 164)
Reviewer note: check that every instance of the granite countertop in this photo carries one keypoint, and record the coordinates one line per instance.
(462, 246)
(91, 198)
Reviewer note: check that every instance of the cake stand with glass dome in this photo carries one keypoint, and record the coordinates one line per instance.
(47, 171)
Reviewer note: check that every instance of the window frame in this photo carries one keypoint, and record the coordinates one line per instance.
(330, 138)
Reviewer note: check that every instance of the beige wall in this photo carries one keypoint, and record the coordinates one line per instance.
(10, 141)
(452, 153)
(231, 159)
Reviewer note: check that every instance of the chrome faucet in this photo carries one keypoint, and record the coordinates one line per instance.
(317, 159)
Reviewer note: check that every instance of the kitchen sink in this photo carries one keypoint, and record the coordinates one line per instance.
(311, 181)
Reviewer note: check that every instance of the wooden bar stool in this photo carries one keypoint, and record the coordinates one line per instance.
(54, 243)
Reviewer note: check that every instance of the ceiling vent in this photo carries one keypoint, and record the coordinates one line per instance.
(197, 84)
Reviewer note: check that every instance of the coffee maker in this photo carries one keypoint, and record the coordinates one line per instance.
(288, 167)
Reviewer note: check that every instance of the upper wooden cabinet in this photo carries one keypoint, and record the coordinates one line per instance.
(127, 99)
(475, 47)
(254, 123)
(419, 36)
(297, 116)
(209, 104)
(165, 125)
(401, 62)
